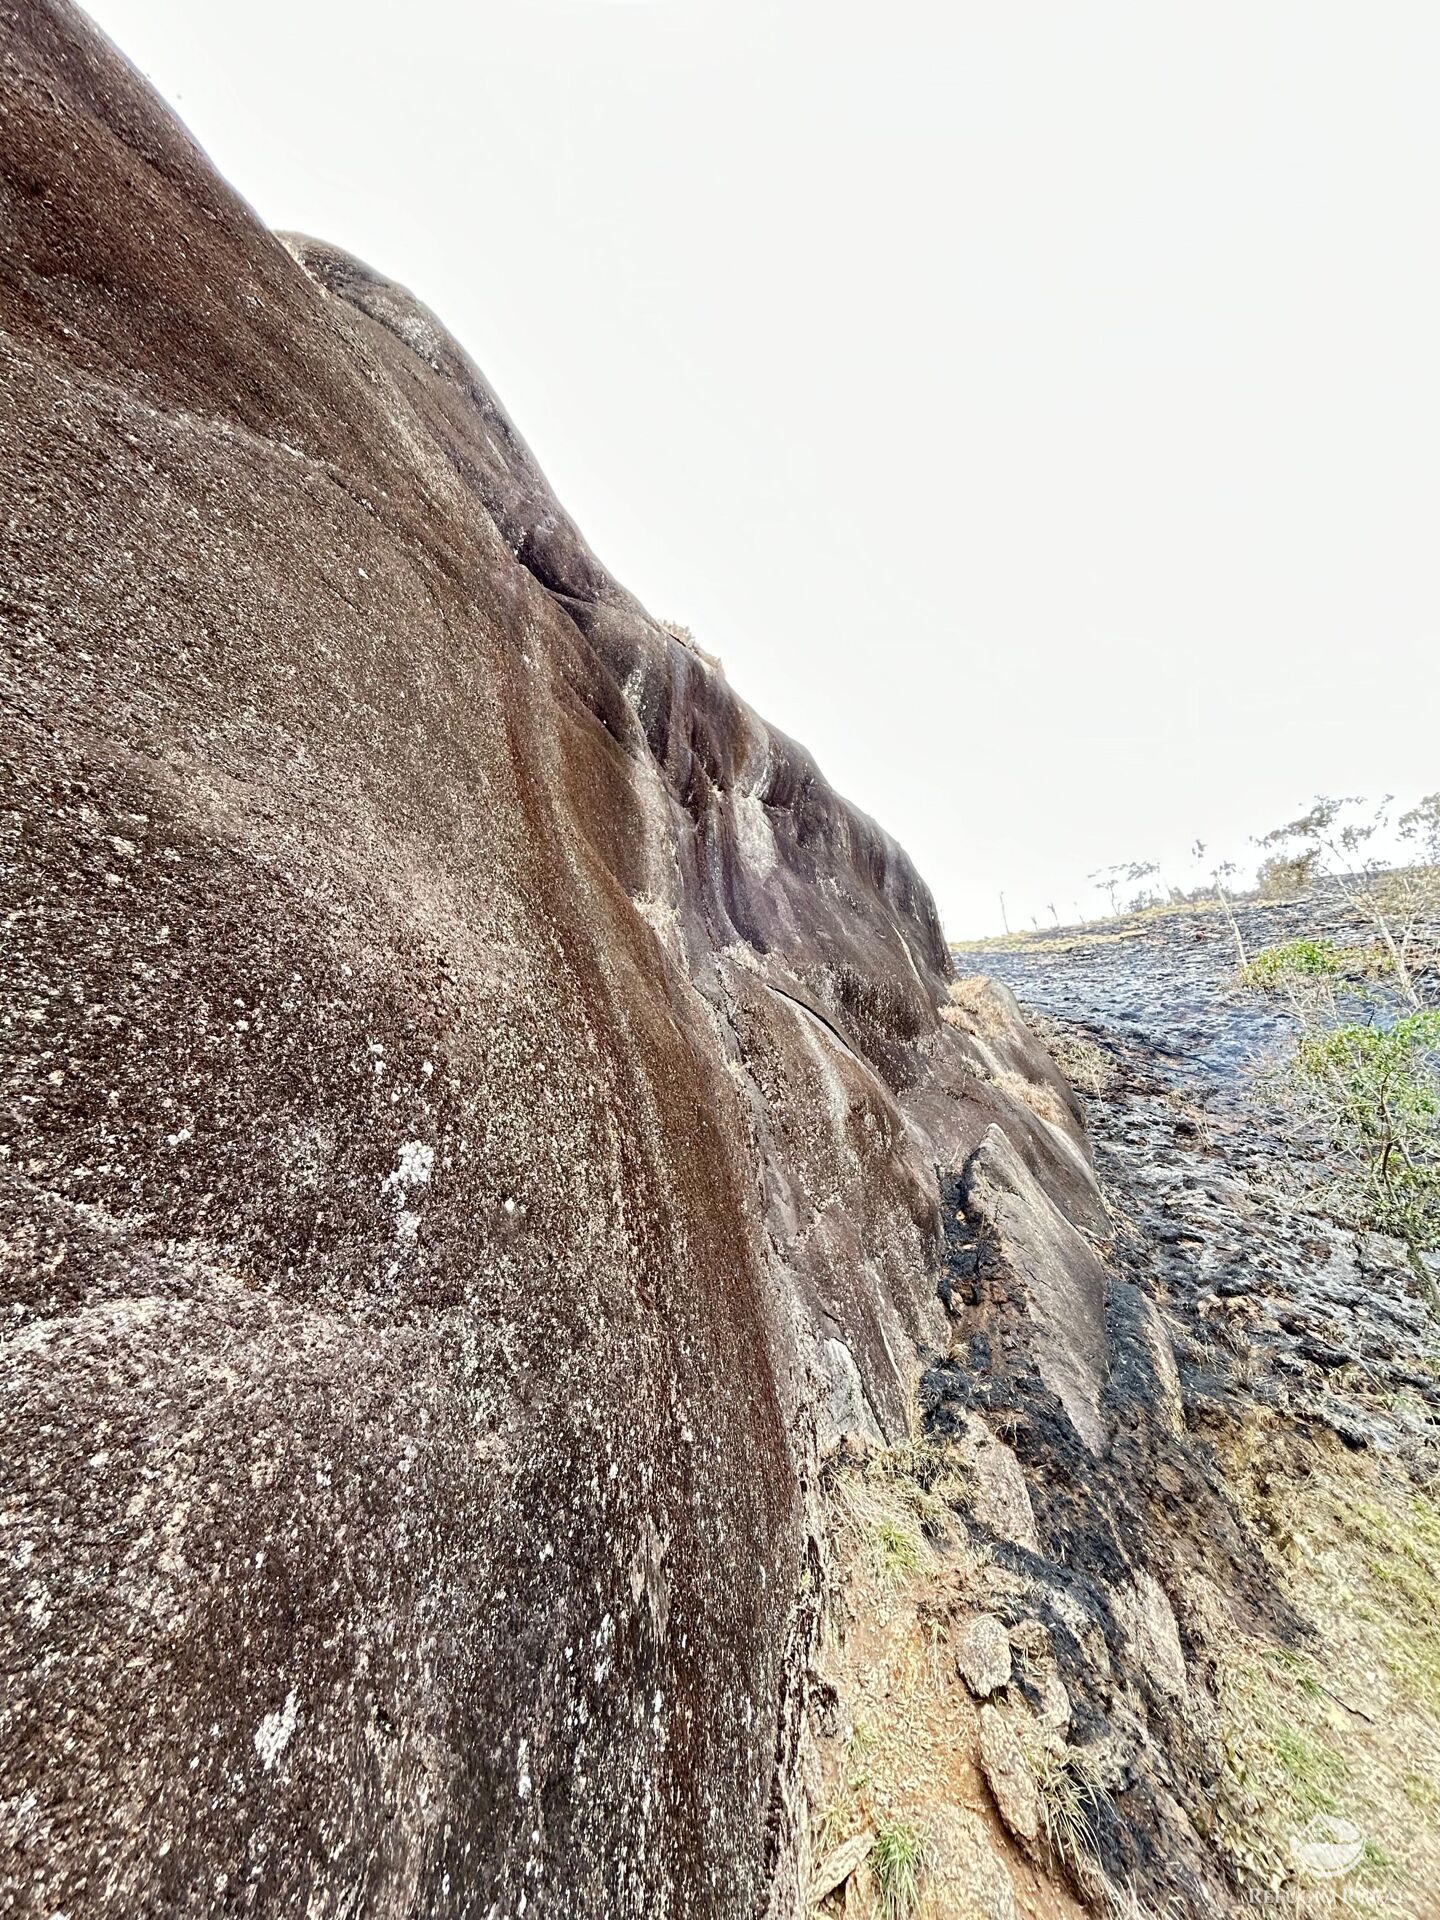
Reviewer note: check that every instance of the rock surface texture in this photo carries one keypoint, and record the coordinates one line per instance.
(473, 1104)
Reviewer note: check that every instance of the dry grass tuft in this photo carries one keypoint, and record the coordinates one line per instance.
(1088, 1068)
(1041, 1098)
(974, 1005)
(1072, 1799)
(886, 1512)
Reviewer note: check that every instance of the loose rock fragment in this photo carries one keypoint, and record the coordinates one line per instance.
(838, 1866)
(982, 1654)
(968, 1878)
(1008, 1775)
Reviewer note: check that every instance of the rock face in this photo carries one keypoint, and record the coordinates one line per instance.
(1064, 1284)
(473, 1098)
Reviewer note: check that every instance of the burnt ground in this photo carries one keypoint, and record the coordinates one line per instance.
(1298, 1341)
(1218, 1195)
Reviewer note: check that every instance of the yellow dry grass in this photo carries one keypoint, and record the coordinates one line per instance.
(1347, 1727)
(1088, 1068)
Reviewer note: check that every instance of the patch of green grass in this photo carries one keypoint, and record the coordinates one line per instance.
(900, 1859)
(897, 1549)
(1313, 1769)
(1346, 1726)
(1424, 1518)
(1414, 1659)
(1395, 1573)
(1300, 1668)
(1402, 1557)
(1276, 967)
(1422, 1790)
(1376, 1864)
(1282, 1767)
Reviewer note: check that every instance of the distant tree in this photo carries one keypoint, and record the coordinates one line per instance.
(1420, 828)
(1127, 873)
(1108, 879)
(1141, 870)
(1286, 874)
(1341, 837)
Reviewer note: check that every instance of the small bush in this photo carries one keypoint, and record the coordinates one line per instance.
(1341, 837)
(1275, 968)
(1376, 1092)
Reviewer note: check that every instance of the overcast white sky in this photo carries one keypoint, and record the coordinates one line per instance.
(1037, 406)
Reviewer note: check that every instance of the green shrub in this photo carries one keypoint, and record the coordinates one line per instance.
(1376, 1093)
(1286, 874)
(1275, 968)
(1340, 838)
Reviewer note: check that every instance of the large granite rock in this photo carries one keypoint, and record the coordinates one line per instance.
(472, 1102)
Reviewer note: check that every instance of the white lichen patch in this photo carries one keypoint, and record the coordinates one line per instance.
(411, 1171)
(754, 835)
(274, 1732)
(413, 1168)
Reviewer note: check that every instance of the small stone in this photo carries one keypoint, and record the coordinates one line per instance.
(1148, 1619)
(1008, 1775)
(860, 1893)
(1053, 1711)
(982, 1654)
(1322, 1354)
(999, 1496)
(1029, 1638)
(838, 1866)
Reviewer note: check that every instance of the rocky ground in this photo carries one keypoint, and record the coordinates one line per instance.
(1195, 1669)
(1219, 1193)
